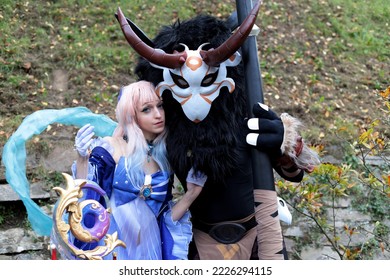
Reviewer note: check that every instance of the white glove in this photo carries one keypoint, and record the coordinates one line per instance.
(198, 179)
(84, 139)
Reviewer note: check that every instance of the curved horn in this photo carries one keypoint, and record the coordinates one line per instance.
(214, 57)
(152, 55)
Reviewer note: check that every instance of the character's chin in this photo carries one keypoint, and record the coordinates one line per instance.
(196, 119)
(196, 115)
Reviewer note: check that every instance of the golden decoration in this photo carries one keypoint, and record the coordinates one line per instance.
(69, 202)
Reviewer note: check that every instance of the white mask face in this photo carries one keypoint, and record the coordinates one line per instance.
(195, 85)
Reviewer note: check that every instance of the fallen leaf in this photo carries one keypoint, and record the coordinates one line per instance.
(27, 66)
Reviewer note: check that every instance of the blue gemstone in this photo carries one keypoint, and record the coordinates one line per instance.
(146, 192)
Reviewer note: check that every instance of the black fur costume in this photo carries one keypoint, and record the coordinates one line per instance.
(216, 146)
(212, 143)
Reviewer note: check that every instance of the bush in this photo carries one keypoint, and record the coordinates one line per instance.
(365, 182)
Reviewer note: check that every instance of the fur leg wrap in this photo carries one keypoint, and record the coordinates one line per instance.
(269, 232)
(294, 147)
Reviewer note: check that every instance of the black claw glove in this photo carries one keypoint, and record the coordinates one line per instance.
(267, 130)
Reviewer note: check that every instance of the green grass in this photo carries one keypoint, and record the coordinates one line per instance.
(357, 27)
(84, 34)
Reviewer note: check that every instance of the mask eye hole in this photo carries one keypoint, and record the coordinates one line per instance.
(179, 48)
(209, 79)
(179, 81)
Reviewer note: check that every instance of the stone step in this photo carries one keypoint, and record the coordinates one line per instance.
(19, 240)
(377, 160)
(37, 191)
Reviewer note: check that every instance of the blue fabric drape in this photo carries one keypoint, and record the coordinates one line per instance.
(14, 153)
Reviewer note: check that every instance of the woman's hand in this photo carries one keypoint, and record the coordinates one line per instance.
(84, 139)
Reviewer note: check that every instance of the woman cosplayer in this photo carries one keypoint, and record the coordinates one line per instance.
(133, 170)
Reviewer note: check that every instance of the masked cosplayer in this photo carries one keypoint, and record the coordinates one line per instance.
(196, 68)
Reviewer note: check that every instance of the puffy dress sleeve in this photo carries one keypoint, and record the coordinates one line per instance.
(103, 168)
(101, 165)
(175, 235)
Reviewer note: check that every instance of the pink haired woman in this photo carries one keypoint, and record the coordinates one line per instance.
(132, 168)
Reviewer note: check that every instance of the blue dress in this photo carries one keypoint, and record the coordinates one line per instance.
(143, 221)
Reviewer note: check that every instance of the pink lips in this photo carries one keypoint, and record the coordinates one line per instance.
(159, 124)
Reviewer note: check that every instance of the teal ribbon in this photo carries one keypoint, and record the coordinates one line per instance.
(14, 153)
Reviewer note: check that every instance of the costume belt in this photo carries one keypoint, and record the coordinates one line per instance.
(226, 232)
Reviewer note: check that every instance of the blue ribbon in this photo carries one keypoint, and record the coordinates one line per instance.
(14, 153)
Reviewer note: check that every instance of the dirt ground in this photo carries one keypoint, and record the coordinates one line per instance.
(321, 94)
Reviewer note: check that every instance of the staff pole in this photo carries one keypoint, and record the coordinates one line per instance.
(263, 175)
(269, 233)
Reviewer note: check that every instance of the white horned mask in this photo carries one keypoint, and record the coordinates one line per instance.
(195, 85)
(195, 77)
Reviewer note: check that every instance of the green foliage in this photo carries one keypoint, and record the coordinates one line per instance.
(366, 185)
(372, 202)
(328, 182)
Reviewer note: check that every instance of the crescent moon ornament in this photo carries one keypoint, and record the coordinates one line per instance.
(71, 205)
